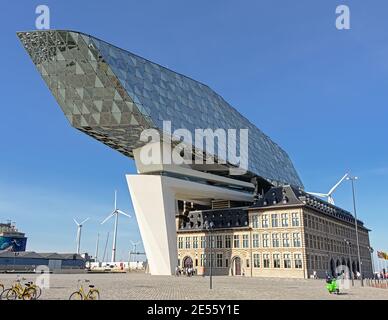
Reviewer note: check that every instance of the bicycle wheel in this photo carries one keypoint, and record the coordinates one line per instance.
(29, 294)
(76, 296)
(93, 295)
(3, 295)
(38, 292)
(10, 294)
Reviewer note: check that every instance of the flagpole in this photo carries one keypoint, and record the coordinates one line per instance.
(381, 265)
(378, 262)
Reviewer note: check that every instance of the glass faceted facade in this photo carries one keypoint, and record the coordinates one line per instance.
(113, 95)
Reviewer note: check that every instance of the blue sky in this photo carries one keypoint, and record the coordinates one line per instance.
(320, 93)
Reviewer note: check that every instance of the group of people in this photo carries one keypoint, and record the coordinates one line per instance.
(357, 275)
(381, 275)
(187, 271)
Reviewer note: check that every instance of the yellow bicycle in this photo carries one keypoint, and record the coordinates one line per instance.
(36, 288)
(18, 291)
(81, 294)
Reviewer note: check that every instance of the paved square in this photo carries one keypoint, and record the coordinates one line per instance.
(142, 286)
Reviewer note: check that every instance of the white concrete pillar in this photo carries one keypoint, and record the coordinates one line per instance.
(154, 205)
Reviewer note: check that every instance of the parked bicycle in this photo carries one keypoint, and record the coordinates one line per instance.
(81, 294)
(37, 289)
(19, 291)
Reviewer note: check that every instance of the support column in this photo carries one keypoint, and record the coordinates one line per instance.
(154, 205)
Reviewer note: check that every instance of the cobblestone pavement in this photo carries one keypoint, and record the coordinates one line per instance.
(146, 287)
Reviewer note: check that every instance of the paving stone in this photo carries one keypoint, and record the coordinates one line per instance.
(140, 286)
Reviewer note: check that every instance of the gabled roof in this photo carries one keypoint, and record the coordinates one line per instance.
(22, 254)
(51, 255)
(35, 255)
(285, 195)
(71, 256)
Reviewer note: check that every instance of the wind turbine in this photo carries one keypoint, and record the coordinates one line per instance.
(97, 244)
(106, 244)
(134, 245)
(79, 230)
(115, 213)
(329, 195)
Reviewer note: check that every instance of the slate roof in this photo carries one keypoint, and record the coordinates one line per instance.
(291, 196)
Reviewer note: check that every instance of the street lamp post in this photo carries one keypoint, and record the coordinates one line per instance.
(209, 227)
(371, 250)
(350, 261)
(352, 179)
